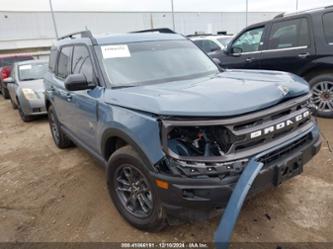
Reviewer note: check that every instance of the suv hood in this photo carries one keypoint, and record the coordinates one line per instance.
(229, 93)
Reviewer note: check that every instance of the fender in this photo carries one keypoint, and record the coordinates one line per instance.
(114, 132)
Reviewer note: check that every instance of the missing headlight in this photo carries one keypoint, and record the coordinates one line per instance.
(200, 141)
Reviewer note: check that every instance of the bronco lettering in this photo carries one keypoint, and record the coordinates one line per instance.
(280, 125)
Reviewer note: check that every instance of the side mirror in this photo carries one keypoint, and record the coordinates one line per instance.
(236, 51)
(8, 80)
(77, 82)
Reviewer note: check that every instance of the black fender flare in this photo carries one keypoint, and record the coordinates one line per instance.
(114, 132)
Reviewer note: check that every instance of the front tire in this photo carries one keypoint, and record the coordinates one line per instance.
(59, 137)
(133, 191)
(13, 104)
(322, 94)
(25, 118)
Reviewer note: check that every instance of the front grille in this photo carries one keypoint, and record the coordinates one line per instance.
(272, 157)
(235, 137)
(36, 109)
(243, 130)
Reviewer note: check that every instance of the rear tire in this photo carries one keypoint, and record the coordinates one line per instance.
(59, 137)
(322, 94)
(137, 199)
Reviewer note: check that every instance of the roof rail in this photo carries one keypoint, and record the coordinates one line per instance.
(200, 34)
(85, 33)
(302, 11)
(160, 30)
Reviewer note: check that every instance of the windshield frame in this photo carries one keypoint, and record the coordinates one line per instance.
(112, 85)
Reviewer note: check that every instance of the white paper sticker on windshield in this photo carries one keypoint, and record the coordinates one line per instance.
(115, 51)
(25, 67)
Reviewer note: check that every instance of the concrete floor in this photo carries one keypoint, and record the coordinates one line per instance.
(47, 194)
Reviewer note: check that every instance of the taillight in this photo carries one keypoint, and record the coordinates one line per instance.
(5, 72)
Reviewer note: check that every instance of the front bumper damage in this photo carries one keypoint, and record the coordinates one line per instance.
(202, 198)
(290, 167)
(198, 199)
(263, 150)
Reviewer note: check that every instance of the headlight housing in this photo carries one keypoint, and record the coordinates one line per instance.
(200, 141)
(180, 140)
(29, 94)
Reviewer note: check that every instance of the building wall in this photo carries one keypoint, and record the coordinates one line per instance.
(35, 29)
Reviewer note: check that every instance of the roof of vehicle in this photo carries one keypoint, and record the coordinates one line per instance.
(136, 37)
(30, 62)
(125, 38)
(14, 56)
(213, 37)
(291, 14)
(308, 11)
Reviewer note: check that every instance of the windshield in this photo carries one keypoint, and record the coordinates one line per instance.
(33, 71)
(154, 62)
(224, 41)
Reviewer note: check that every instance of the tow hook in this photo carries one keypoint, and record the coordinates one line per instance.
(227, 223)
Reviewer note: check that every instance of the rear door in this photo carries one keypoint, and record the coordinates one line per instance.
(245, 50)
(60, 94)
(289, 46)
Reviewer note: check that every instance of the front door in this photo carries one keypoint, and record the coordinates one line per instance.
(245, 50)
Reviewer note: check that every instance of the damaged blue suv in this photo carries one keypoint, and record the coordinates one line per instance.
(173, 130)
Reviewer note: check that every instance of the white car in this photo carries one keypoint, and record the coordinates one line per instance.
(211, 43)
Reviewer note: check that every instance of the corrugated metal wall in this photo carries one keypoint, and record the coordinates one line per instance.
(35, 29)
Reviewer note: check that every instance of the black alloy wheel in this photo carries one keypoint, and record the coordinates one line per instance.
(133, 190)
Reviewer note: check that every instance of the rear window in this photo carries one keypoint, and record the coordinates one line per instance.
(328, 27)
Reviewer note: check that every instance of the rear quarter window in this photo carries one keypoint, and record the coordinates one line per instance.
(328, 27)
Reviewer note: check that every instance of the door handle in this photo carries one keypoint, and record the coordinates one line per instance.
(248, 60)
(303, 55)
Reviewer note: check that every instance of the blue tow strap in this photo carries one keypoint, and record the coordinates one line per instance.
(225, 228)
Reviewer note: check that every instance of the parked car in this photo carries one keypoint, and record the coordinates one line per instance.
(26, 88)
(173, 130)
(211, 44)
(300, 43)
(6, 63)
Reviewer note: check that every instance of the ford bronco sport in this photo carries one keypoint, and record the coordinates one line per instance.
(173, 130)
(300, 43)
